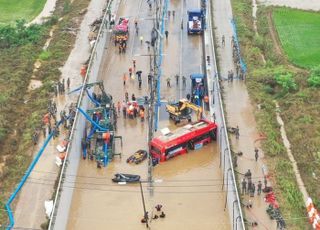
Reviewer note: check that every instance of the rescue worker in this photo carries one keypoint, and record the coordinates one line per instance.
(44, 131)
(125, 78)
(134, 63)
(149, 78)
(118, 107)
(248, 174)
(223, 41)
(237, 132)
(140, 83)
(166, 33)
(259, 187)
(177, 79)
(206, 101)
(184, 81)
(168, 82)
(249, 186)
(265, 181)
(68, 83)
(141, 115)
(244, 186)
(253, 189)
(256, 154)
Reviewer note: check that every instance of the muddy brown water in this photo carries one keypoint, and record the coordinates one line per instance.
(188, 186)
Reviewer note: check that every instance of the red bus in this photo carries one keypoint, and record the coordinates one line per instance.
(191, 136)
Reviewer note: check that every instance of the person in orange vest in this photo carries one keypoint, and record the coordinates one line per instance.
(125, 78)
(119, 107)
(83, 71)
(206, 101)
(142, 115)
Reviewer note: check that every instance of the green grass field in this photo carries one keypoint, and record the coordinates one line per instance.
(11, 10)
(299, 33)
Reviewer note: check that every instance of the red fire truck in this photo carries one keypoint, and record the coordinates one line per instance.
(191, 136)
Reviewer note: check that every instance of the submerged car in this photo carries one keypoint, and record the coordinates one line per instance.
(138, 157)
(128, 178)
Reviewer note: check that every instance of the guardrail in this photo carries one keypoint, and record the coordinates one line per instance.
(229, 180)
(63, 197)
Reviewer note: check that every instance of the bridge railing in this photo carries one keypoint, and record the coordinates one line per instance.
(232, 199)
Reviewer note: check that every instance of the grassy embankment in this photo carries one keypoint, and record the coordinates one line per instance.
(278, 80)
(21, 111)
(19, 9)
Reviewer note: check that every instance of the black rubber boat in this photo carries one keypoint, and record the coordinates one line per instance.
(128, 178)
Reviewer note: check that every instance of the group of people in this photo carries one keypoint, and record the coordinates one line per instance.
(249, 188)
(131, 109)
(177, 78)
(122, 45)
(60, 87)
(230, 76)
(159, 213)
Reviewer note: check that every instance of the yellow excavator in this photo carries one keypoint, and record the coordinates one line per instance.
(182, 110)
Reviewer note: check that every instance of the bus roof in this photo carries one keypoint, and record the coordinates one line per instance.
(182, 133)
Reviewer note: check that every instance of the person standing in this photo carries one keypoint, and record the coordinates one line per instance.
(265, 182)
(244, 186)
(68, 83)
(141, 40)
(124, 109)
(177, 79)
(140, 83)
(253, 189)
(134, 63)
(249, 186)
(118, 107)
(167, 34)
(126, 95)
(149, 79)
(184, 81)
(168, 82)
(237, 132)
(223, 41)
(256, 154)
(259, 187)
(130, 72)
(125, 78)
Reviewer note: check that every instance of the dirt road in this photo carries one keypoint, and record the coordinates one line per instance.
(240, 112)
(190, 187)
(29, 210)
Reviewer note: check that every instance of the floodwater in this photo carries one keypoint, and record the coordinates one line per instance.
(305, 5)
(240, 112)
(29, 209)
(188, 186)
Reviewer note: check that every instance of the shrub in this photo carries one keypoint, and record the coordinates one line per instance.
(314, 79)
(286, 81)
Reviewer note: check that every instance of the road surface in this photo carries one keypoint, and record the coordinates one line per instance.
(190, 191)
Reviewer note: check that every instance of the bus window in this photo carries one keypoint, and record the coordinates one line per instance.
(171, 152)
(156, 150)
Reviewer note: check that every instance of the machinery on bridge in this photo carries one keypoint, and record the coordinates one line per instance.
(99, 138)
(121, 31)
(198, 88)
(182, 110)
(196, 20)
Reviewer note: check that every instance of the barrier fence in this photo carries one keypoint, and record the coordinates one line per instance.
(232, 200)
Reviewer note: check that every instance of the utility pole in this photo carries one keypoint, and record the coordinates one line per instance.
(145, 213)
